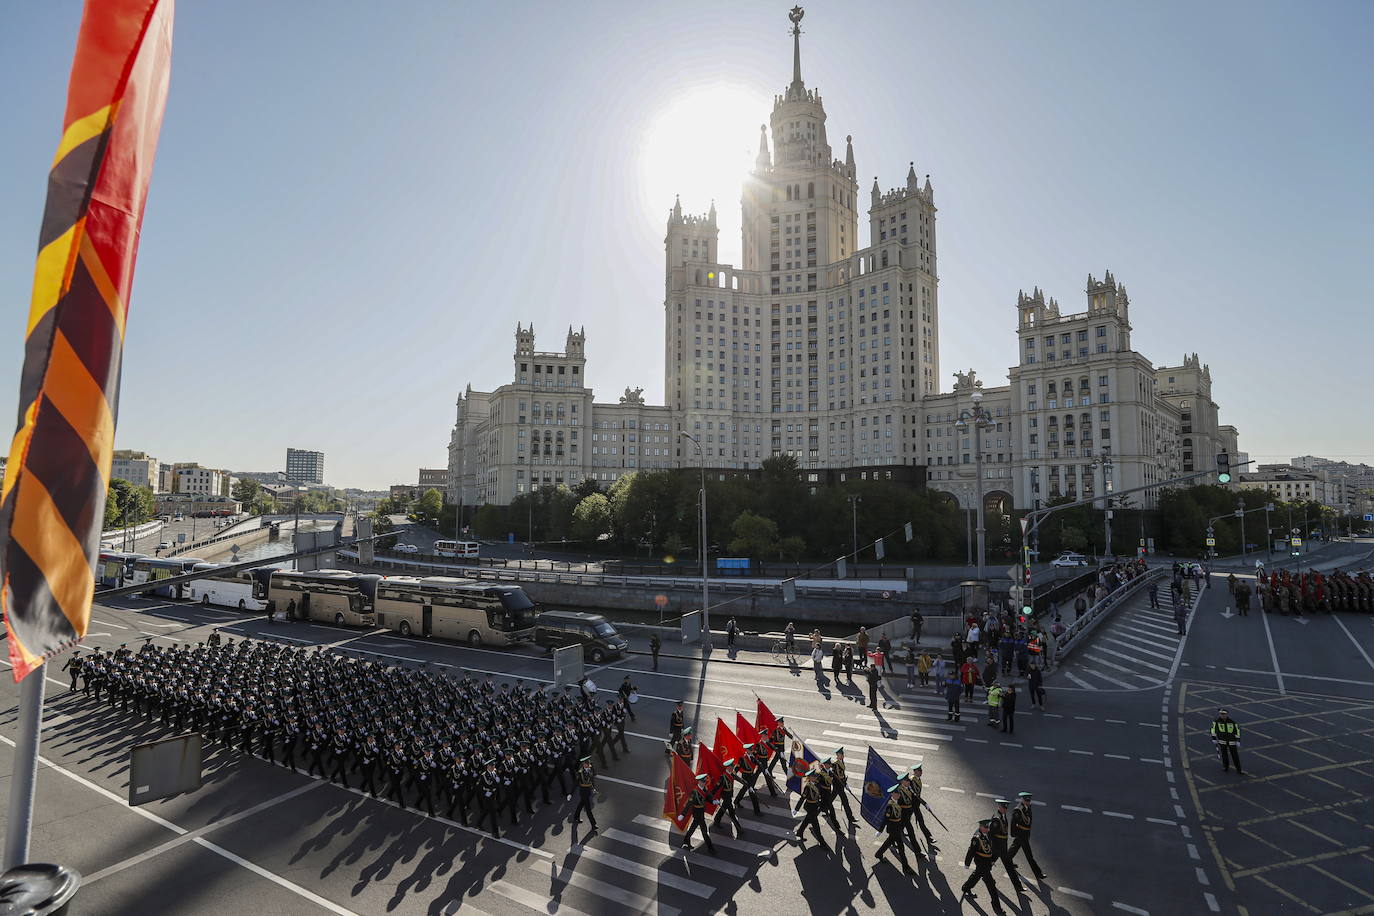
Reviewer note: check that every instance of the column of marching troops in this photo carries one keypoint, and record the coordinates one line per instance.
(1310, 592)
(999, 838)
(444, 744)
(461, 746)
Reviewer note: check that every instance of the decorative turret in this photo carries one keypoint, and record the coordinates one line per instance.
(849, 155)
(877, 192)
(912, 184)
(676, 215)
(763, 162)
(576, 341)
(711, 214)
(524, 340)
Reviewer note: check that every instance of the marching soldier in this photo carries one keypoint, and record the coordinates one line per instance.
(892, 823)
(980, 856)
(74, 665)
(747, 775)
(821, 769)
(491, 797)
(724, 783)
(915, 782)
(842, 783)
(777, 745)
(367, 760)
(997, 832)
(696, 804)
(811, 800)
(396, 763)
(586, 787)
(1021, 833)
(760, 753)
(676, 722)
(1226, 736)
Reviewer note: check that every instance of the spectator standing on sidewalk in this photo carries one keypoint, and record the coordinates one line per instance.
(818, 659)
(968, 676)
(731, 628)
(923, 668)
(938, 672)
(1009, 710)
(655, 644)
(885, 647)
(918, 623)
(874, 678)
(861, 643)
(1080, 604)
(910, 661)
(1154, 595)
(837, 661)
(1036, 685)
(789, 634)
(849, 663)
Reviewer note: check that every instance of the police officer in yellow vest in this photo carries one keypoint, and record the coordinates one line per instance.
(1226, 736)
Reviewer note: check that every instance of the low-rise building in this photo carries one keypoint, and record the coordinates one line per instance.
(138, 468)
(1292, 484)
(189, 477)
(196, 504)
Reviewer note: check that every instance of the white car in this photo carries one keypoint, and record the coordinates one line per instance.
(407, 548)
(165, 545)
(1069, 559)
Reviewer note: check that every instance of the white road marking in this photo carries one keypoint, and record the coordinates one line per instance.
(1130, 658)
(1130, 909)
(1274, 656)
(1129, 817)
(1084, 753)
(1363, 653)
(704, 860)
(647, 872)
(1160, 820)
(977, 740)
(200, 841)
(728, 842)
(1041, 747)
(1140, 649)
(899, 732)
(1211, 902)
(1076, 808)
(1073, 893)
(952, 789)
(1117, 756)
(516, 894)
(567, 876)
(1202, 877)
(1193, 853)
(1115, 721)
(1309, 677)
(862, 738)
(1077, 680)
(106, 623)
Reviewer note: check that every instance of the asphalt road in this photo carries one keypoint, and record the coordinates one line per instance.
(1132, 815)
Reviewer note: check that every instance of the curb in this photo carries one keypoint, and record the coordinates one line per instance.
(740, 661)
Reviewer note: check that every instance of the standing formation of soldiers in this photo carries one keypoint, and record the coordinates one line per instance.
(1310, 592)
(443, 744)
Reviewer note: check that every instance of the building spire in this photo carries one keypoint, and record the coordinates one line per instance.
(795, 15)
(849, 155)
(763, 160)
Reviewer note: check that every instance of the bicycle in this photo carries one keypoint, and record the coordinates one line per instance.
(781, 654)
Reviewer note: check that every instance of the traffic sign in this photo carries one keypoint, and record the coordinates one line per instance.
(1369, 517)
(1295, 542)
(1211, 542)
(1025, 522)
(1014, 572)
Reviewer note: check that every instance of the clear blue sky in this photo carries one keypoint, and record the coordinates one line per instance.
(354, 203)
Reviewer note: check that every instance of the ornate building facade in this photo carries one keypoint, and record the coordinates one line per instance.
(829, 352)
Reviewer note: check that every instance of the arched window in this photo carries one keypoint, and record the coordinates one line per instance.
(796, 192)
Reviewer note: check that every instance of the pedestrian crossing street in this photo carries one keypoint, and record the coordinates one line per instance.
(1133, 650)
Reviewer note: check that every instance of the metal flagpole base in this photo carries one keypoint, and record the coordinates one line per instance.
(25, 772)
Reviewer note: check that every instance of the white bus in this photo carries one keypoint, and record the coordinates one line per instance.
(464, 550)
(234, 589)
(151, 569)
(462, 610)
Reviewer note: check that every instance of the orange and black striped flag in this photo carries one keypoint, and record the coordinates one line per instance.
(52, 504)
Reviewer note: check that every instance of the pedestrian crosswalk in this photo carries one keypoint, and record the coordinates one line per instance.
(1134, 649)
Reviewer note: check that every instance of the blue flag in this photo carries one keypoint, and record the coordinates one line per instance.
(799, 762)
(878, 778)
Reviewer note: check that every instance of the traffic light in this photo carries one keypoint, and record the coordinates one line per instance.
(1223, 468)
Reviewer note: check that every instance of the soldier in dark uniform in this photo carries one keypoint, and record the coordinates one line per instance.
(760, 753)
(997, 833)
(915, 782)
(367, 760)
(811, 800)
(423, 773)
(73, 665)
(980, 855)
(491, 796)
(777, 746)
(525, 778)
(339, 751)
(676, 722)
(396, 765)
(696, 806)
(841, 779)
(1021, 833)
(827, 786)
(722, 791)
(892, 823)
(616, 710)
(748, 775)
(586, 789)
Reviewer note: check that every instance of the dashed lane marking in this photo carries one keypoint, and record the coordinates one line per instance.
(1073, 893)
(1130, 909)
(1129, 817)
(567, 876)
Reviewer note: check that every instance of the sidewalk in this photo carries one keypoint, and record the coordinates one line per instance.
(763, 657)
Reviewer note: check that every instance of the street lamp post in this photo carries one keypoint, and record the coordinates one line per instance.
(1240, 513)
(854, 501)
(1268, 531)
(978, 418)
(705, 566)
(1104, 462)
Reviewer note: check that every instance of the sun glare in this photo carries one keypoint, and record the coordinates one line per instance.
(701, 145)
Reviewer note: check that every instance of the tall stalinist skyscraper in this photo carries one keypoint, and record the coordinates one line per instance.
(813, 347)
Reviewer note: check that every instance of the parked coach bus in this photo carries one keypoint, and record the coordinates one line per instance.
(115, 568)
(459, 609)
(151, 569)
(463, 550)
(334, 595)
(231, 589)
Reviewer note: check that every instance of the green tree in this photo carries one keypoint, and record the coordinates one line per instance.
(124, 501)
(592, 517)
(792, 548)
(754, 536)
(490, 521)
(586, 487)
(429, 505)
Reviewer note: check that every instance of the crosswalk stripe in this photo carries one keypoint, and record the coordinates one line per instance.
(875, 726)
(725, 841)
(1136, 648)
(1163, 629)
(1147, 640)
(891, 755)
(1131, 658)
(923, 719)
(1107, 677)
(750, 823)
(675, 852)
(647, 872)
(568, 877)
(861, 738)
(517, 894)
(1078, 680)
(933, 702)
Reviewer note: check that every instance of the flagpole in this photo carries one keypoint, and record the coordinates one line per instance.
(19, 817)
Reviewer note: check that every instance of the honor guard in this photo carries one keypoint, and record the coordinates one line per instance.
(760, 754)
(1021, 833)
(586, 786)
(980, 855)
(892, 823)
(998, 832)
(722, 791)
(748, 774)
(841, 779)
(696, 808)
(915, 775)
(676, 722)
(491, 796)
(811, 800)
(777, 746)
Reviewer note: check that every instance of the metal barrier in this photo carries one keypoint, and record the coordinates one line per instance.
(1094, 615)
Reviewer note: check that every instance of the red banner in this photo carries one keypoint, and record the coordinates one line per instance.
(710, 764)
(746, 732)
(765, 719)
(727, 746)
(677, 791)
